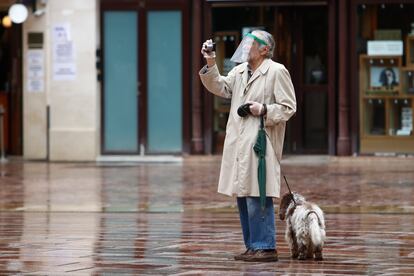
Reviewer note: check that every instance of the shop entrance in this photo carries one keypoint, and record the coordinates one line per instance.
(302, 40)
(145, 77)
(302, 34)
(11, 85)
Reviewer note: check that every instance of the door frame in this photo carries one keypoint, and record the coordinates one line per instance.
(142, 7)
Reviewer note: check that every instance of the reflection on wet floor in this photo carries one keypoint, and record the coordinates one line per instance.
(167, 219)
(355, 185)
(196, 242)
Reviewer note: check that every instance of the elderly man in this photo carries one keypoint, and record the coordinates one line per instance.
(267, 87)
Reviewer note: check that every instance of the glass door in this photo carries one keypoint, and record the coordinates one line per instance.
(120, 82)
(165, 88)
(302, 36)
(145, 96)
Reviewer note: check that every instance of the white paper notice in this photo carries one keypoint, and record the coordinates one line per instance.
(385, 48)
(64, 64)
(35, 71)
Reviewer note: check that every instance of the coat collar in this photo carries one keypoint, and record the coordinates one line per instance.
(259, 71)
(262, 68)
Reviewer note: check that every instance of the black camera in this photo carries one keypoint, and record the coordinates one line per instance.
(209, 46)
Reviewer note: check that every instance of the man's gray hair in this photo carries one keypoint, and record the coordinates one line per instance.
(268, 38)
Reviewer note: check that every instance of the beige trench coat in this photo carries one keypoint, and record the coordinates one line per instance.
(269, 84)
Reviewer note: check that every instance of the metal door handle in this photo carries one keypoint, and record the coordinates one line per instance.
(138, 91)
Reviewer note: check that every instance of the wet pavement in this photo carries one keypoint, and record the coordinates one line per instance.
(167, 219)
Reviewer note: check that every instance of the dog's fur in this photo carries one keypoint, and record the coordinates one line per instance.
(305, 226)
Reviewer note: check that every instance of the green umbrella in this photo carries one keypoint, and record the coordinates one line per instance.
(260, 150)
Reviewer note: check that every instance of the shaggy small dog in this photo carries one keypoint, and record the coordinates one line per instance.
(305, 226)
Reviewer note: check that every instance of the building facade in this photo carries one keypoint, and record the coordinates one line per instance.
(120, 77)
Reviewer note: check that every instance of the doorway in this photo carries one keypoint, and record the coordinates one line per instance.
(11, 95)
(303, 41)
(302, 33)
(145, 71)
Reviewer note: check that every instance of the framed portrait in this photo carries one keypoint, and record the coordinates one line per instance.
(384, 77)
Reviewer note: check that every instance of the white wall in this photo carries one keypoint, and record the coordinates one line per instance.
(74, 108)
(34, 104)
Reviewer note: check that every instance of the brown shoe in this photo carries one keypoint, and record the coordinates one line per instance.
(242, 255)
(261, 256)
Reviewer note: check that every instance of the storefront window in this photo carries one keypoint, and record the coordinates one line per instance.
(385, 45)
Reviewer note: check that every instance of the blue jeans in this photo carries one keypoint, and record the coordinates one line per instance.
(258, 225)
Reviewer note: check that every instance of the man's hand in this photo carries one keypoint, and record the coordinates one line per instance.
(255, 108)
(208, 53)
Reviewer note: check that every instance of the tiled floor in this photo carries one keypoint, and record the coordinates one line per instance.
(166, 219)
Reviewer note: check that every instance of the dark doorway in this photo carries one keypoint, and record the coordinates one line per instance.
(302, 36)
(11, 86)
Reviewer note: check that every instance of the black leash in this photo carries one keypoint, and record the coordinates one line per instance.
(287, 184)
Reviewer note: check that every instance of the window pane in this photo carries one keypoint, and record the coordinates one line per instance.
(120, 81)
(164, 81)
(374, 117)
(401, 117)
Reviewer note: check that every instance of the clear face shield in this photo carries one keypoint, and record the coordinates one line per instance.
(243, 51)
